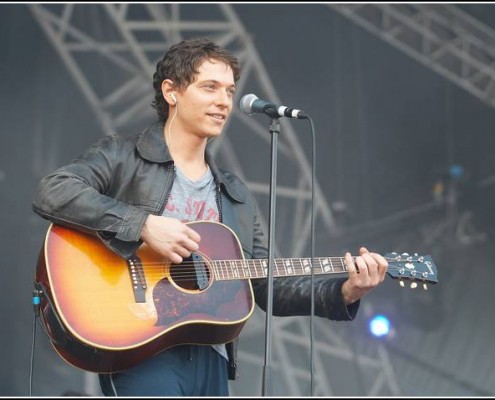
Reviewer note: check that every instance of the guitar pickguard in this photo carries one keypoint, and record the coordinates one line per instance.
(219, 302)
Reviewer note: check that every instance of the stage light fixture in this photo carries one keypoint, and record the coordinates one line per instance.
(379, 326)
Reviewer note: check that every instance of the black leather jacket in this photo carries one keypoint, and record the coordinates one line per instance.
(111, 189)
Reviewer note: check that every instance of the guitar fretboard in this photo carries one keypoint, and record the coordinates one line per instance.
(258, 268)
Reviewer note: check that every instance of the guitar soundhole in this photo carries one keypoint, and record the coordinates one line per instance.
(192, 274)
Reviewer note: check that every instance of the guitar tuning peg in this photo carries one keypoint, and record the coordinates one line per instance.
(414, 285)
(425, 286)
(401, 283)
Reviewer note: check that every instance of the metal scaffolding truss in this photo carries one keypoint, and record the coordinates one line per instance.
(345, 362)
(110, 50)
(441, 36)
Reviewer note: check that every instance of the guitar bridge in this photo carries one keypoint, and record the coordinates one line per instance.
(137, 279)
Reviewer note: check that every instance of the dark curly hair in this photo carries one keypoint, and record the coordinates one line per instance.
(180, 64)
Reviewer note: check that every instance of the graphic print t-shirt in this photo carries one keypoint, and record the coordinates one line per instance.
(193, 201)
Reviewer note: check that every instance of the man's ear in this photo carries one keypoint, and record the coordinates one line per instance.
(167, 92)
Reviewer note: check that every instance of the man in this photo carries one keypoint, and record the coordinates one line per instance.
(142, 191)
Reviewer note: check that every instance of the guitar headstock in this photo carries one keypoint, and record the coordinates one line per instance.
(414, 268)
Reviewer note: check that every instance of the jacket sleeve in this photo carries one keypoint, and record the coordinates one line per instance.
(292, 297)
(75, 196)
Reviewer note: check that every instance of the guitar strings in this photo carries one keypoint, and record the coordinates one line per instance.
(187, 271)
(257, 260)
(186, 276)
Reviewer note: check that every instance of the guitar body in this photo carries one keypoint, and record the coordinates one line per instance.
(98, 321)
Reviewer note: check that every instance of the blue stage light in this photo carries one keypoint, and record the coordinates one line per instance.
(456, 171)
(379, 326)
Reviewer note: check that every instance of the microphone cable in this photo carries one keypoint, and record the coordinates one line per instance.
(311, 317)
(36, 306)
(251, 104)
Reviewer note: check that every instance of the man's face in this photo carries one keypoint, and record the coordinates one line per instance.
(203, 107)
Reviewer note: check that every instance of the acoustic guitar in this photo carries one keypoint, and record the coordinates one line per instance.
(103, 313)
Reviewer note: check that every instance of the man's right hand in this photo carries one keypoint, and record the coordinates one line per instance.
(170, 237)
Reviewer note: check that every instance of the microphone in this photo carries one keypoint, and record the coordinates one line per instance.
(251, 104)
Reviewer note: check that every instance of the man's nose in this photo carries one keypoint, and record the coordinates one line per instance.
(223, 98)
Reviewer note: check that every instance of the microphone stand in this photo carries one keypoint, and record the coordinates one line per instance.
(274, 130)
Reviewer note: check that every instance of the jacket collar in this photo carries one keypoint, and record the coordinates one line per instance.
(152, 147)
(151, 144)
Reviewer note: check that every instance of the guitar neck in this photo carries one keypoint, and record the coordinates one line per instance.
(258, 268)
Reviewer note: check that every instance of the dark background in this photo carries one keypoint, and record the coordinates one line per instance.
(388, 129)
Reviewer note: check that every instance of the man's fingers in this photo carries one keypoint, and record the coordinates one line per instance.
(371, 263)
(188, 243)
(382, 261)
(182, 251)
(376, 261)
(351, 267)
(193, 235)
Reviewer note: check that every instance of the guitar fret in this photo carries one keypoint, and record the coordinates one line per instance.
(331, 263)
(245, 269)
(301, 269)
(264, 266)
(289, 267)
(215, 269)
(320, 262)
(276, 271)
(274, 266)
(343, 266)
(293, 266)
(233, 269)
(326, 265)
(296, 265)
(225, 270)
(253, 271)
(220, 271)
(306, 266)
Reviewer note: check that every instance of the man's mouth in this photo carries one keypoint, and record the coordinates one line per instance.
(220, 117)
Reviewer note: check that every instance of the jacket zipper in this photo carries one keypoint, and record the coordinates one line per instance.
(219, 203)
